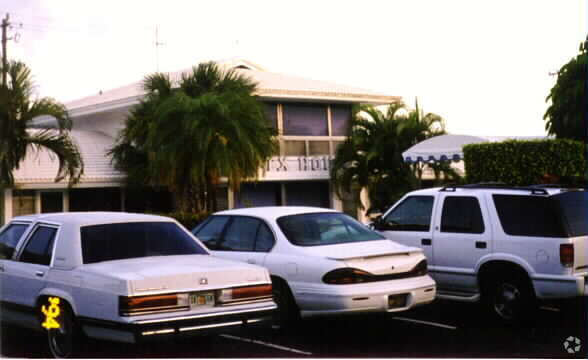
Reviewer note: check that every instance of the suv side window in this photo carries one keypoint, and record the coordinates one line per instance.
(413, 214)
(529, 216)
(39, 248)
(210, 232)
(462, 214)
(9, 239)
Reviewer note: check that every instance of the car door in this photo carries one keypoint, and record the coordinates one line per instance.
(409, 223)
(461, 237)
(26, 277)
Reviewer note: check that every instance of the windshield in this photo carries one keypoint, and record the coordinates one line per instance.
(132, 240)
(324, 229)
(574, 207)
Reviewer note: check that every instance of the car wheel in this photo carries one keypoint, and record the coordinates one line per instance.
(512, 299)
(287, 313)
(63, 341)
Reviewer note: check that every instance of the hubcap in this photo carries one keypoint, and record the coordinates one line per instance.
(507, 301)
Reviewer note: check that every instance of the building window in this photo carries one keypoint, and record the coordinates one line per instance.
(305, 119)
(271, 114)
(307, 193)
(340, 117)
(295, 148)
(258, 194)
(95, 199)
(318, 148)
(51, 201)
(23, 202)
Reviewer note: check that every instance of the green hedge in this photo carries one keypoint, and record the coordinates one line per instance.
(528, 162)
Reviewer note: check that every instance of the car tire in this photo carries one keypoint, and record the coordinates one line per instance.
(64, 342)
(510, 298)
(288, 313)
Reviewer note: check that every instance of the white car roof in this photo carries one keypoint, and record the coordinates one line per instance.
(90, 218)
(274, 212)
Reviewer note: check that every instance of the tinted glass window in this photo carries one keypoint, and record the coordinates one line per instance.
(305, 119)
(324, 229)
(462, 214)
(574, 207)
(265, 239)
(9, 238)
(413, 214)
(240, 235)
(131, 240)
(529, 216)
(39, 248)
(271, 114)
(210, 232)
(341, 116)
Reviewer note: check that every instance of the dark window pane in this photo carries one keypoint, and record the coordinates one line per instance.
(340, 116)
(529, 216)
(132, 240)
(462, 214)
(271, 114)
(40, 246)
(258, 194)
(265, 239)
(324, 229)
(240, 235)
(307, 193)
(95, 199)
(413, 214)
(209, 233)
(574, 207)
(51, 202)
(9, 238)
(305, 119)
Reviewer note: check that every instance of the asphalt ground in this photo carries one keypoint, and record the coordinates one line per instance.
(440, 330)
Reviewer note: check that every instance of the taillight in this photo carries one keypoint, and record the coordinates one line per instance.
(566, 254)
(346, 276)
(245, 293)
(134, 305)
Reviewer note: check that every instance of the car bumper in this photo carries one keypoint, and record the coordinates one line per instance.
(384, 296)
(178, 325)
(561, 287)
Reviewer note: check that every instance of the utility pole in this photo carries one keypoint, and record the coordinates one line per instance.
(157, 45)
(5, 25)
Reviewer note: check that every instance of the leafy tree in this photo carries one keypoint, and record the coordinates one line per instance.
(187, 137)
(371, 156)
(17, 111)
(567, 116)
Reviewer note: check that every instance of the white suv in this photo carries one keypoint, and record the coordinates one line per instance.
(508, 246)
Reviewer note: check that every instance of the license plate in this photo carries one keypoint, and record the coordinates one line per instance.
(203, 299)
(396, 301)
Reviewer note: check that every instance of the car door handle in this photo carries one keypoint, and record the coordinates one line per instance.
(39, 273)
(480, 244)
(426, 241)
(251, 261)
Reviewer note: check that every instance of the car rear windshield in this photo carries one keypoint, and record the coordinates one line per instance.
(137, 239)
(324, 229)
(562, 215)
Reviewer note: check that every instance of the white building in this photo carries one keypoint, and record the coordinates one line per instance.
(311, 117)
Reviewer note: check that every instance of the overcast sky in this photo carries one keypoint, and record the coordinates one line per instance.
(483, 65)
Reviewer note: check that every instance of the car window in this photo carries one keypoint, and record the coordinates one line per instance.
(209, 232)
(413, 214)
(462, 214)
(9, 239)
(529, 216)
(39, 247)
(265, 238)
(324, 229)
(138, 239)
(240, 235)
(574, 209)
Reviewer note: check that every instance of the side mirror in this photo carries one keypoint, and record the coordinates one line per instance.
(377, 223)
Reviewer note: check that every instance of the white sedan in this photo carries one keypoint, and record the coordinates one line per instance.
(321, 261)
(121, 277)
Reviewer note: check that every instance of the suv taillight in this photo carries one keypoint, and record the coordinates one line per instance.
(566, 254)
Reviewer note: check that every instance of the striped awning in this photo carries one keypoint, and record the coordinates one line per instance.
(440, 148)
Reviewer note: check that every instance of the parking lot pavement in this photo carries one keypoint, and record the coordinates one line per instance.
(443, 329)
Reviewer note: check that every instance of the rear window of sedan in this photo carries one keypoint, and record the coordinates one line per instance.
(324, 229)
(108, 242)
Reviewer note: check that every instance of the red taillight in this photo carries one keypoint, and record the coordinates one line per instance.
(151, 303)
(346, 276)
(566, 254)
(246, 293)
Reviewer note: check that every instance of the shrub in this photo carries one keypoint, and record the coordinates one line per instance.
(517, 162)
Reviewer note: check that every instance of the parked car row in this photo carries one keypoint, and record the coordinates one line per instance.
(131, 277)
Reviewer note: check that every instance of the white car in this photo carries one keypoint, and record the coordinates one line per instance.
(121, 277)
(322, 262)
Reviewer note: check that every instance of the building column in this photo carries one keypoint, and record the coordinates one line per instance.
(365, 200)
(7, 205)
(65, 199)
(283, 198)
(230, 198)
(336, 203)
(37, 202)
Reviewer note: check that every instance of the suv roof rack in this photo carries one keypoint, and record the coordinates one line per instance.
(496, 185)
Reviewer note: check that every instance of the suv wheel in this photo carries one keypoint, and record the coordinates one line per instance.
(511, 299)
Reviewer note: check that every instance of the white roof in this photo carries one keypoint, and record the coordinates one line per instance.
(41, 167)
(449, 147)
(90, 218)
(270, 85)
(274, 212)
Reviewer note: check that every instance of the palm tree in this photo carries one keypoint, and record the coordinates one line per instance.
(17, 111)
(371, 156)
(187, 138)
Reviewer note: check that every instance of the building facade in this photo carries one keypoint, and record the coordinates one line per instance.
(310, 116)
